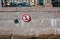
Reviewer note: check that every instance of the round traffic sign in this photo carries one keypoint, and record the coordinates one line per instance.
(26, 18)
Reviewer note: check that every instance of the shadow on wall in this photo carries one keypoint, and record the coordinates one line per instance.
(51, 36)
(56, 3)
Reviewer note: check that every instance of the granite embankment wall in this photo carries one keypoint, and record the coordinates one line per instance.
(44, 20)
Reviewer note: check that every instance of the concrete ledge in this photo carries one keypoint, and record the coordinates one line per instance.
(3, 9)
(38, 9)
(29, 9)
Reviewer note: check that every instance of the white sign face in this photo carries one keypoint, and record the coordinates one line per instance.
(26, 18)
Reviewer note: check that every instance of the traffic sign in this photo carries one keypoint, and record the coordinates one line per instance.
(26, 18)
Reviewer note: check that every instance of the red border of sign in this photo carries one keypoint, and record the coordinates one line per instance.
(28, 19)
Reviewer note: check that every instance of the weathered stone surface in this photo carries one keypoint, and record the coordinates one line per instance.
(33, 27)
(28, 9)
(44, 20)
(34, 15)
(57, 30)
(2, 9)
